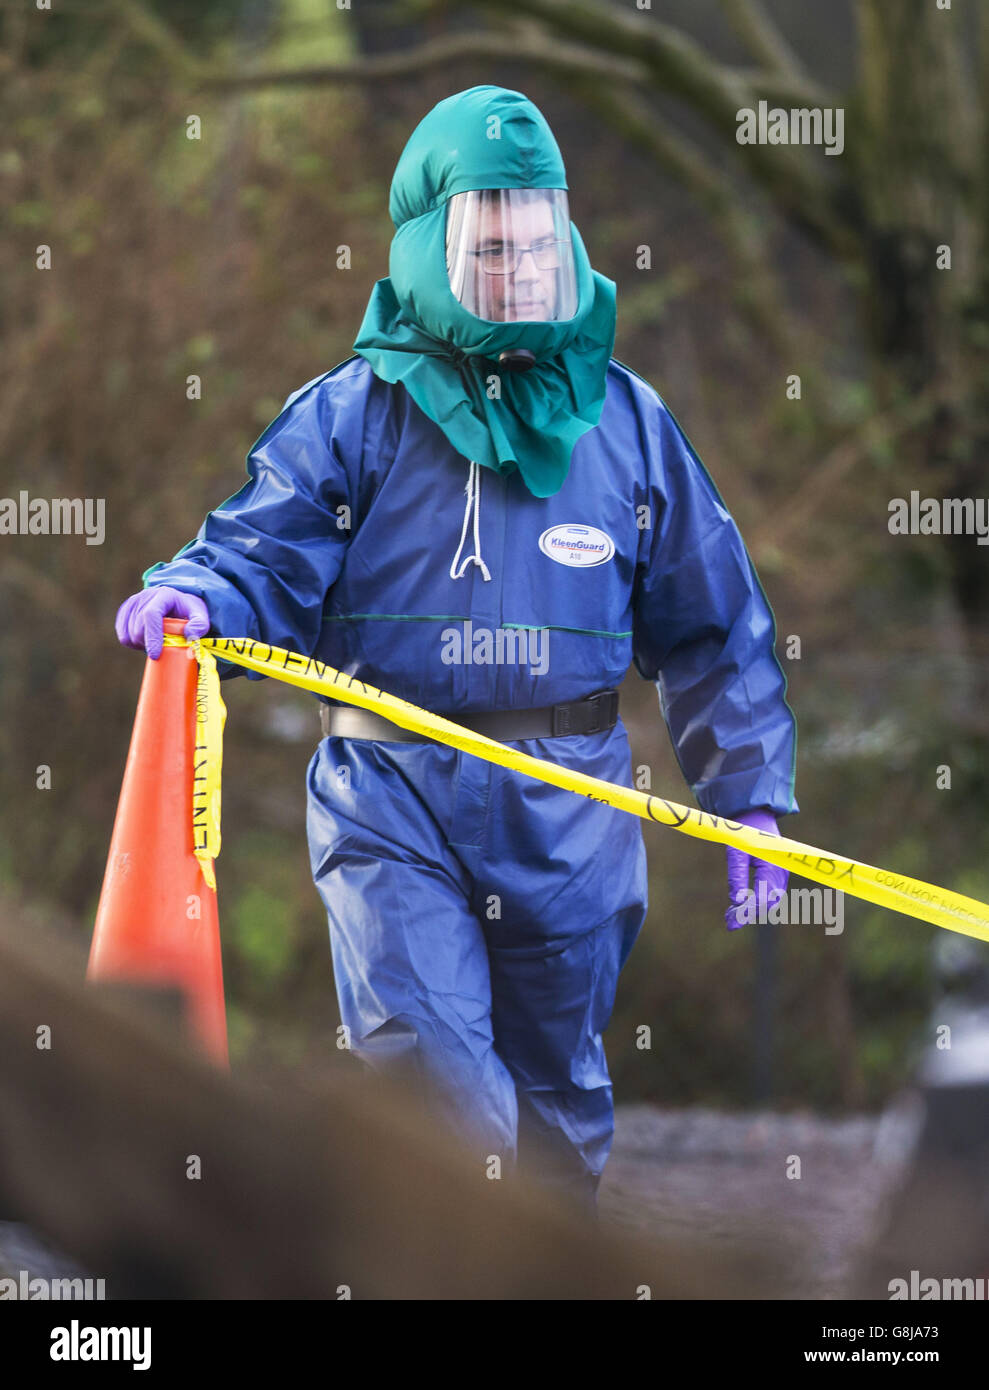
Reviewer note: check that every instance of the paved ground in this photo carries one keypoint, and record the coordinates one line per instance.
(722, 1179)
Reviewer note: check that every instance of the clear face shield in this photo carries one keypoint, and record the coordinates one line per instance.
(509, 254)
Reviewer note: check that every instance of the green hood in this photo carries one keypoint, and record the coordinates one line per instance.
(417, 332)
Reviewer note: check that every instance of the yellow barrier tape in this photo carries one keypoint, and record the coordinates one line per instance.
(911, 896)
(211, 715)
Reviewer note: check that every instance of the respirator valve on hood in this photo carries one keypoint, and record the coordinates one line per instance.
(516, 360)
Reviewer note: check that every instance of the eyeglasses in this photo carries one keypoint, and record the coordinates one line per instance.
(505, 260)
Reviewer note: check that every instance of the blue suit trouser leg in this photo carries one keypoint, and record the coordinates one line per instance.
(409, 956)
(571, 886)
(551, 1007)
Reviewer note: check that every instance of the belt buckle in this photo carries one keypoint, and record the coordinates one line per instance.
(605, 708)
(562, 721)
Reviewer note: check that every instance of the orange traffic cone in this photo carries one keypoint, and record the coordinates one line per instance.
(157, 921)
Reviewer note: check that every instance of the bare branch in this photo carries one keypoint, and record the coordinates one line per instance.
(762, 38)
(876, 432)
(680, 67)
(639, 126)
(784, 89)
(146, 26)
(524, 47)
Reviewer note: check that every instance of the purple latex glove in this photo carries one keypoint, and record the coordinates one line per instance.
(140, 618)
(774, 878)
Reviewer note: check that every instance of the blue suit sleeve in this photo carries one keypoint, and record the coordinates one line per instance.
(265, 559)
(704, 632)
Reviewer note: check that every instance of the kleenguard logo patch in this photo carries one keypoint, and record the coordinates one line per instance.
(581, 546)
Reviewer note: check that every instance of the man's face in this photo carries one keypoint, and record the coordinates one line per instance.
(528, 293)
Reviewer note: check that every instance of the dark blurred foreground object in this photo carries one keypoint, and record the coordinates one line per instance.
(328, 1188)
(937, 1222)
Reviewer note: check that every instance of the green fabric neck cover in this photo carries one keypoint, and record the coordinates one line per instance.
(417, 332)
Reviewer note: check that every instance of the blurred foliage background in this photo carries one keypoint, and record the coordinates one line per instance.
(218, 257)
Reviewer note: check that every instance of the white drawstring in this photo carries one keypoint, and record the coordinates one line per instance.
(473, 490)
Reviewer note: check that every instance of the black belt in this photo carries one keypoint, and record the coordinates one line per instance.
(594, 715)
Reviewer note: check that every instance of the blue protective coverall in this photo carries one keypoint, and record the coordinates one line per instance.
(479, 918)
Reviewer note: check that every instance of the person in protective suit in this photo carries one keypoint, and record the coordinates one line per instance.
(484, 513)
